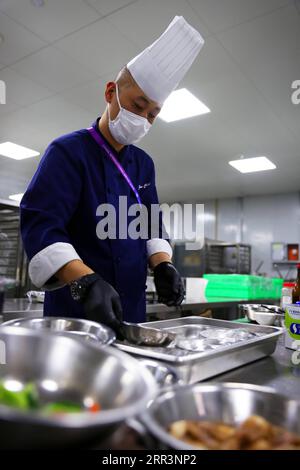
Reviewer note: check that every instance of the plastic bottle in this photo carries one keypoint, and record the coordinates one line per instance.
(296, 290)
(286, 294)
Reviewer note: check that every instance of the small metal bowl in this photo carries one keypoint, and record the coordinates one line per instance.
(263, 316)
(75, 327)
(229, 403)
(164, 375)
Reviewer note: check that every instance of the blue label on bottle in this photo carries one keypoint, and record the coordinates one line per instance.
(295, 328)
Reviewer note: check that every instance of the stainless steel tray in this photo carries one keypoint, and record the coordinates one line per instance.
(196, 366)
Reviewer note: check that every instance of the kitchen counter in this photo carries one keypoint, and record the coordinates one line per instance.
(162, 312)
(16, 308)
(275, 371)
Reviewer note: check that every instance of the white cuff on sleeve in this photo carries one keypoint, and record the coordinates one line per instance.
(157, 245)
(48, 261)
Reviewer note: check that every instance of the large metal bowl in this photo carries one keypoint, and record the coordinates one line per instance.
(64, 369)
(76, 327)
(229, 403)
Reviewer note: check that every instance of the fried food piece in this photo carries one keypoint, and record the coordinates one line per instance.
(196, 431)
(219, 431)
(233, 443)
(282, 438)
(179, 429)
(254, 428)
(195, 443)
(260, 444)
(255, 433)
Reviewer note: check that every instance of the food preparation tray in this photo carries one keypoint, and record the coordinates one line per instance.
(217, 356)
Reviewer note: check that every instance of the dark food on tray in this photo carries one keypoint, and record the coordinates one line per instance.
(255, 433)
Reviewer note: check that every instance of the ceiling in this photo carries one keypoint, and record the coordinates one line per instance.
(56, 59)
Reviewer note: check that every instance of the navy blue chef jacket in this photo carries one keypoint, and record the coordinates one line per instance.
(59, 207)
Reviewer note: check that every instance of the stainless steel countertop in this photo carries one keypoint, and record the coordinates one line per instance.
(276, 371)
(211, 302)
(14, 306)
(22, 306)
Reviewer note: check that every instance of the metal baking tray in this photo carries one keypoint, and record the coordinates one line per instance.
(194, 366)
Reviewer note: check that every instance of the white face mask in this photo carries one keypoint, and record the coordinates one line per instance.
(127, 128)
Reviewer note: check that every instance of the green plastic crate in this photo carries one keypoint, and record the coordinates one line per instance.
(243, 286)
(277, 287)
(239, 286)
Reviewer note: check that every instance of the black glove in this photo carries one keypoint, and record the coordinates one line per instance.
(103, 305)
(168, 284)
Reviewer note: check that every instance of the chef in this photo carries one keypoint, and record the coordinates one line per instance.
(83, 275)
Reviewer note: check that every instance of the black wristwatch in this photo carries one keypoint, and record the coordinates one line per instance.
(80, 287)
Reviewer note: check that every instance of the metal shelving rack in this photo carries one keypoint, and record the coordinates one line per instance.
(214, 257)
(228, 258)
(13, 261)
(289, 265)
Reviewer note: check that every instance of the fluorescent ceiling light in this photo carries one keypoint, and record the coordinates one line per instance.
(182, 104)
(17, 152)
(250, 165)
(16, 197)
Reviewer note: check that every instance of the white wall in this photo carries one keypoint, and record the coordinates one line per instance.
(257, 220)
(270, 219)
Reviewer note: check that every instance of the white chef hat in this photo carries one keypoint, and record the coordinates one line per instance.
(160, 67)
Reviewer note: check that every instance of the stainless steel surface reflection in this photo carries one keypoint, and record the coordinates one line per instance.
(64, 369)
(76, 327)
(227, 402)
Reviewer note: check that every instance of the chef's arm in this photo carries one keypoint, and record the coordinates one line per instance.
(158, 258)
(159, 249)
(101, 302)
(72, 270)
(167, 280)
(47, 207)
(76, 268)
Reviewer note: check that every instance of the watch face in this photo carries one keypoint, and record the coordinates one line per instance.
(80, 286)
(76, 290)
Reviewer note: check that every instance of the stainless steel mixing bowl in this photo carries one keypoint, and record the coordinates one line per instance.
(65, 369)
(227, 402)
(77, 327)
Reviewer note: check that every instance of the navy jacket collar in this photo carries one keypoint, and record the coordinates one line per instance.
(120, 155)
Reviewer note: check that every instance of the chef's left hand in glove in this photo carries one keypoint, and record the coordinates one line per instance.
(168, 283)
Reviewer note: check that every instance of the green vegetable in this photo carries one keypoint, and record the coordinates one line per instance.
(27, 399)
(63, 407)
(24, 399)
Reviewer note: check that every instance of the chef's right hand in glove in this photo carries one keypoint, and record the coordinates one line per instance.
(102, 304)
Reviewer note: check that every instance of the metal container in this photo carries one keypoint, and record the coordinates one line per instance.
(164, 375)
(76, 327)
(143, 335)
(228, 403)
(64, 369)
(262, 315)
(192, 366)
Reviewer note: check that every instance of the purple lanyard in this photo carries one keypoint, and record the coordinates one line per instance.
(100, 141)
